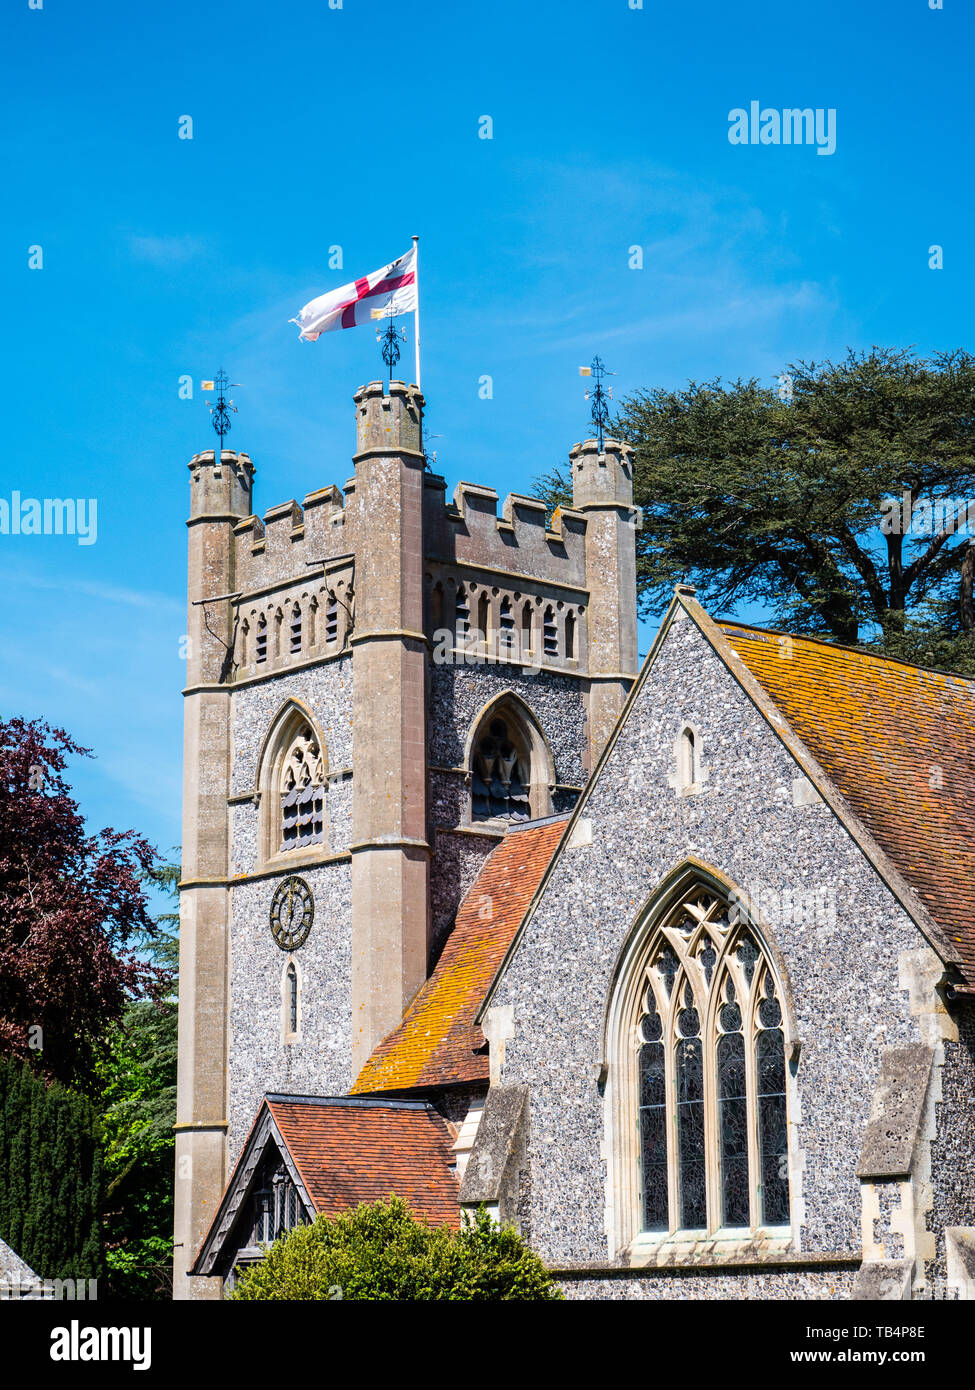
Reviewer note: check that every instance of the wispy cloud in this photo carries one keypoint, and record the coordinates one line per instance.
(166, 250)
(108, 593)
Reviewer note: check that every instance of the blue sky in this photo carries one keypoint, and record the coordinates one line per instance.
(357, 127)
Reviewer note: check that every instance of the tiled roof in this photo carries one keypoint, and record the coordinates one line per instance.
(348, 1152)
(437, 1042)
(898, 741)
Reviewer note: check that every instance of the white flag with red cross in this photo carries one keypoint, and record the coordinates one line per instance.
(384, 293)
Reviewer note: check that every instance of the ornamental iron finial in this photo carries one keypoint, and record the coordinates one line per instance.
(390, 340)
(221, 408)
(599, 395)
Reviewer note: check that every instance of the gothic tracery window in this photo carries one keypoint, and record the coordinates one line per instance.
(302, 792)
(710, 1076)
(501, 774)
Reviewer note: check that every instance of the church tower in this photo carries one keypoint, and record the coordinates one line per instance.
(390, 851)
(380, 683)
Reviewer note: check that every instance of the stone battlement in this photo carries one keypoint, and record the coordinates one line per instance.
(289, 540)
(468, 532)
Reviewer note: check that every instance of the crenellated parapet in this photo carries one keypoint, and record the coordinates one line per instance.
(468, 532)
(289, 538)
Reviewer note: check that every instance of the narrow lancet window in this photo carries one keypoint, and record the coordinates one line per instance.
(292, 980)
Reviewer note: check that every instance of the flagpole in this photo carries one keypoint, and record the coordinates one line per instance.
(416, 311)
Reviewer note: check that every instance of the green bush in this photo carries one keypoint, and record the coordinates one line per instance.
(383, 1252)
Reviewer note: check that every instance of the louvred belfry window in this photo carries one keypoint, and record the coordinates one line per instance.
(710, 1076)
(507, 627)
(500, 777)
(302, 793)
(331, 619)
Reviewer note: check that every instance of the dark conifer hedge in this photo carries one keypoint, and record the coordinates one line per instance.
(50, 1175)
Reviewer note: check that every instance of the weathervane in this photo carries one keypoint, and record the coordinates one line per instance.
(220, 412)
(599, 411)
(390, 340)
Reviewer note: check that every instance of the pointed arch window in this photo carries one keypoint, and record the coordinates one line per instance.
(483, 619)
(526, 630)
(437, 606)
(296, 628)
(260, 645)
(302, 792)
(687, 757)
(570, 635)
(705, 1072)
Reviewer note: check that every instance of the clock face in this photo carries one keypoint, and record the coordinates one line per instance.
(292, 913)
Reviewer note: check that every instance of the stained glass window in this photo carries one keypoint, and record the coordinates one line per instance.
(733, 1123)
(710, 1076)
(690, 1133)
(653, 1120)
(773, 1133)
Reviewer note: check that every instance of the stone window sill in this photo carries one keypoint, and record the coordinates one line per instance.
(695, 1247)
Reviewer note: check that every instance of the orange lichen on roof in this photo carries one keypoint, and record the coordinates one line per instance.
(351, 1153)
(898, 742)
(438, 1043)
